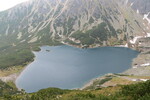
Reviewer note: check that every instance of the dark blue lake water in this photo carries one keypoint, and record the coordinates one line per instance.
(68, 67)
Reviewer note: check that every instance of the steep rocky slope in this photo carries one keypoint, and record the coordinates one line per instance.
(140, 6)
(141, 64)
(87, 22)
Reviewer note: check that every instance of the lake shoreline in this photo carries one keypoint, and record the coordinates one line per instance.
(12, 77)
(86, 84)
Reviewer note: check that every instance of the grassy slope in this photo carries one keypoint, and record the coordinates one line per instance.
(140, 91)
(20, 54)
(7, 89)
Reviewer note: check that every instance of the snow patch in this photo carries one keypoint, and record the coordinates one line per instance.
(135, 39)
(146, 64)
(137, 11)
(148, 34)
(140, 43)
(132, 4)
(146, 17)
(144, 80)
(126, 45)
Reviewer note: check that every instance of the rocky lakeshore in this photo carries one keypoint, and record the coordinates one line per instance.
(140, 65)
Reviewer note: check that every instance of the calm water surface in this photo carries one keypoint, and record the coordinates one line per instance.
(68, 67)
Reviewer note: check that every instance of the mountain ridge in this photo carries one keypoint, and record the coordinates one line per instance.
(66, 21)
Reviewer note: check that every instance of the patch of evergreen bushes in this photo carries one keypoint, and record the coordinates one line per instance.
(139, 91)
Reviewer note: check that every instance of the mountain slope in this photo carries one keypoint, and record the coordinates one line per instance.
(140, 6)
(96, 21)
(80, 23)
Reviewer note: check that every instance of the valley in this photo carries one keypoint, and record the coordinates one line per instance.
(27, 27)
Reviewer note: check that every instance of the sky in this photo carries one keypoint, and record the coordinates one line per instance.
(6, 4)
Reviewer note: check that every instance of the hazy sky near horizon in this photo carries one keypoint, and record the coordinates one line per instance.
(6, 4)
